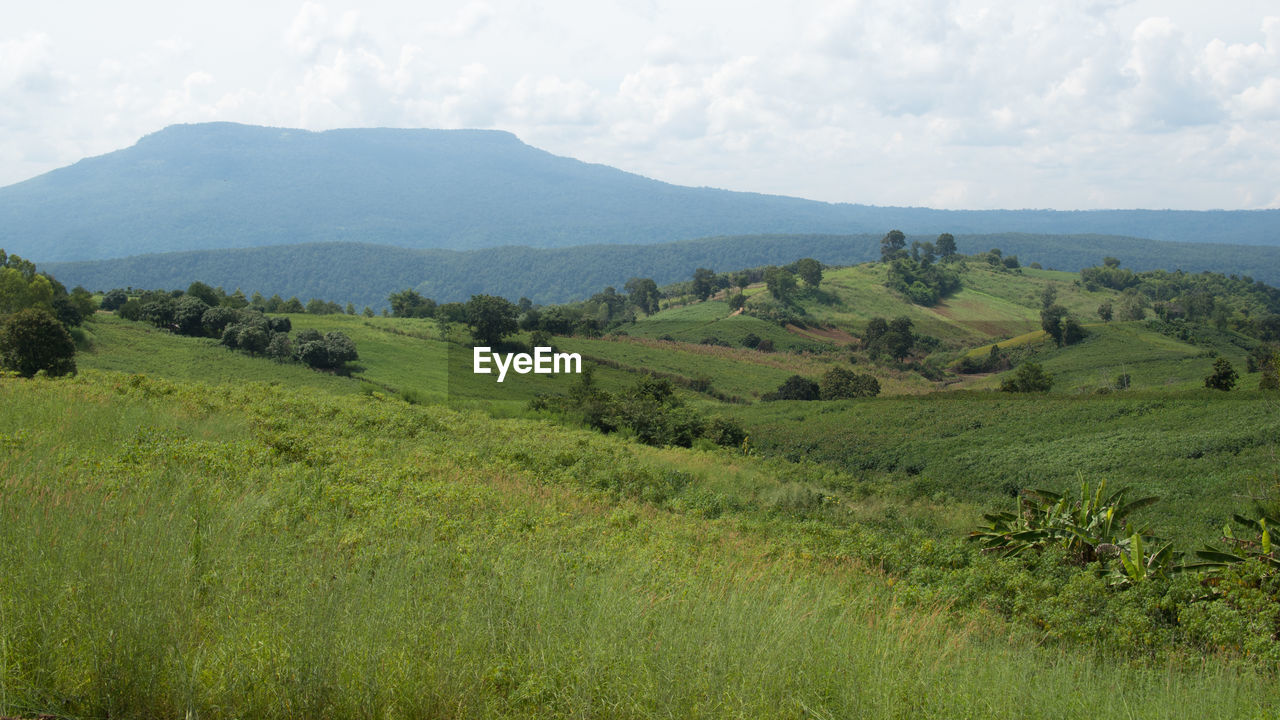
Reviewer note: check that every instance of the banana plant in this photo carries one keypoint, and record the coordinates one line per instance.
(1136, 566)
(1094, 527)
(1241, 549)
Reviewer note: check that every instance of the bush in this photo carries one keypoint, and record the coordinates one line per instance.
(1223, 376)
(795, 388)
(839, 383)
(32, 340)
(1029, 377)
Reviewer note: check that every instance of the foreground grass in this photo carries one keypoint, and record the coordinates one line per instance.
(173, 550)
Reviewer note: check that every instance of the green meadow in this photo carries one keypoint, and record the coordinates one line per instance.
(191, 531)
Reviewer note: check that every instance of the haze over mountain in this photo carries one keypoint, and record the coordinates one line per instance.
(224, 185)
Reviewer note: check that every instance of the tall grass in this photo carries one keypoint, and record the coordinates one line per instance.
(187, 551)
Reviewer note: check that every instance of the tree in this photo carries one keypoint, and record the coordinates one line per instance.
(779, 282)
(643, 293)
(114, 299)
(408, 303)
(1223, 376)
(946, 246)
(795, 388)
(875, 328)
(1029, 377)
(1270, 379)
(809, 270)
(892, 244)
(188, 315)
(1133, 306)
(279, 347)
(341, 348)
(207, 294)
(1105, 312)
(1072, 331)
(32, 340)
(1051, 321)
(839, 383)
(703, 283)
(1048, 295)
(1110, 262)
(490, 318)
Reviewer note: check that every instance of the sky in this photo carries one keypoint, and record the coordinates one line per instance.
(959, 104)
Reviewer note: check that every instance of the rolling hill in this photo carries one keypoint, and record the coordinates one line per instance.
(223, 185)
(366, 274)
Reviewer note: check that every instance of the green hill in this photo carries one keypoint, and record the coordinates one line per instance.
(366, 274)
(221, 535)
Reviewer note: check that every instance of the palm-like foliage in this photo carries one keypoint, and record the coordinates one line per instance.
(1242, 549)
(1095, 527)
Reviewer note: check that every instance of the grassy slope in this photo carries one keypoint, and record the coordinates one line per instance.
(1152, 359)
(260, 551)
(1203, 452)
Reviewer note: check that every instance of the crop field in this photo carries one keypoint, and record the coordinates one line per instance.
(1205, 453)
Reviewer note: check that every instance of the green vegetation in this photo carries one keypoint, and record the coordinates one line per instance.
(651, 537)
(226, 551)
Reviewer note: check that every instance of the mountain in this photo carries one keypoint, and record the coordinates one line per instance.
(224, 185)
(365, 274)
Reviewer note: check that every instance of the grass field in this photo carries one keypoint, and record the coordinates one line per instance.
(188, 531)
(222, 551)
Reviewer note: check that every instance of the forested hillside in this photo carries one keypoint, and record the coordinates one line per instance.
(223, 185)
(366, 274)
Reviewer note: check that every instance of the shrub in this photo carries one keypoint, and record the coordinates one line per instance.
(839, 383)
(1029, 377)
(795, 388)
(32, 340)
(1223, 376)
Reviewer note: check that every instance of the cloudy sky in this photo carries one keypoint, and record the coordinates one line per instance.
(1068, 104)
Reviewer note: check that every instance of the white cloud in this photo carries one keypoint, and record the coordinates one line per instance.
(1071, 103)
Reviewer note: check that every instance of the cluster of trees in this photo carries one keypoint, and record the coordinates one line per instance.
(893, 339)
(650, 411)
(203, 311)
(128, 302)
(920, 274)
(836, 384)
(1239, 302)
(997, 360)
(37, 318)
(996, 258)
(492, 318)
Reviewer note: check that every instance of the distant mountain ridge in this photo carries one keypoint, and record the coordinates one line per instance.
(365, 274)
(224, 185)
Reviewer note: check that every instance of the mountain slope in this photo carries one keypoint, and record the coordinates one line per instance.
(365, 274)
(221, 185)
